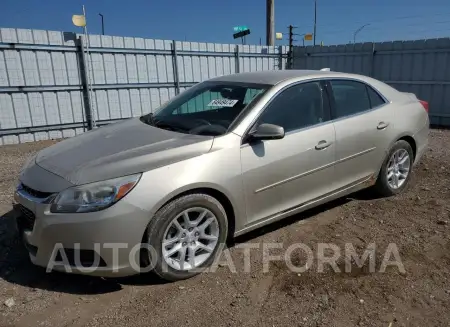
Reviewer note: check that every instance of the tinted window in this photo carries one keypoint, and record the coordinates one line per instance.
(297, 107)
(350, 97)
(375, 99)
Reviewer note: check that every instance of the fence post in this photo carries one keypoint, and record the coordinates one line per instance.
(280, 56)
(236, 60)
(84, 83)
(176, 76)
(372, 60)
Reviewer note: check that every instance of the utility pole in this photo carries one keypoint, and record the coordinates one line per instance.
(290, 63)
(103, 24)
(315, 20)
(270, 22)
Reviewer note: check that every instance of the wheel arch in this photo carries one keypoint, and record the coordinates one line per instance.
(402, 137)
(215, 191)
(412, 143)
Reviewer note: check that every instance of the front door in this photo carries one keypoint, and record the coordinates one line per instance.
(281, 174)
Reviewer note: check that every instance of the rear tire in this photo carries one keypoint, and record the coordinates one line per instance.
(396, 170)
(185, 238)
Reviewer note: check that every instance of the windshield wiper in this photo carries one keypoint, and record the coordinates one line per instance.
(149, 119)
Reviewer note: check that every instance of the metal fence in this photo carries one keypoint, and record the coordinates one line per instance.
(44, 84)
(421, 67)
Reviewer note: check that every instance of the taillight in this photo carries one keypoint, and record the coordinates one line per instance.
(424, 104)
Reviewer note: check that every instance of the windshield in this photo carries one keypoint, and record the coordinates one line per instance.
(207, 108)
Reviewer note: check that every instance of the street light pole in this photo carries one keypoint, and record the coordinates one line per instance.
(270, 22)
(315, 20)
(103, 25)
(357, 31)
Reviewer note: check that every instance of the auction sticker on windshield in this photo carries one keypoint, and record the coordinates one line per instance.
(222, 103)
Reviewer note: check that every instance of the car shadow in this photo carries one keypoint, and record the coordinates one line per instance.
(362, 195)
(16, 267)
(286, 222)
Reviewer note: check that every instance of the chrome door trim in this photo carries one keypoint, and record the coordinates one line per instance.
(304, 206)
(355, 155)
(290, 179)
(309, 172)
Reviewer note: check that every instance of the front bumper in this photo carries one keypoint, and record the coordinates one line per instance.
(113, 235)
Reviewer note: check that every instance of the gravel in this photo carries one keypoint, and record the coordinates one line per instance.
(415, 221)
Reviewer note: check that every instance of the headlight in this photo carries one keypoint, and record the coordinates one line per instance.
(95, 196)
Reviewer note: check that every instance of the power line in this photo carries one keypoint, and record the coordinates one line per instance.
(407, 37)
(384, 28)
(388, 19)
(430, 31)
(428, 23)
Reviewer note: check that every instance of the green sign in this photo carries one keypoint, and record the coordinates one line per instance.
(240, 28)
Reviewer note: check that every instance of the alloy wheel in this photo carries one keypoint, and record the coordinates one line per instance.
(190, 239)
(398, 169)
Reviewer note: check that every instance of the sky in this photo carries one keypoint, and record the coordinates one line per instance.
(213, 21)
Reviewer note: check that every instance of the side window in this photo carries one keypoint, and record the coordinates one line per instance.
(375, 99)
(350, 97)
(296, 107)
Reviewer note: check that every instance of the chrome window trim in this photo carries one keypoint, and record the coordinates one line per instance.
(360, 81)
(295, 131)
(386, 101)
(244, 126)
(269, 101)
(359, 113)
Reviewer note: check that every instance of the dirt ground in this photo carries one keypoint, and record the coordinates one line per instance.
(417, 221)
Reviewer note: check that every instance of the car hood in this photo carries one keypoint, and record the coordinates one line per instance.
(119, 149)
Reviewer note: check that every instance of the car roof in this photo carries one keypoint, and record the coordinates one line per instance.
(272, 77)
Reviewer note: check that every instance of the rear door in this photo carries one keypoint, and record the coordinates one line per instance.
(362, 120)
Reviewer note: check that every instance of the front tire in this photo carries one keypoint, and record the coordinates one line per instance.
(185, 236)
(395, 172)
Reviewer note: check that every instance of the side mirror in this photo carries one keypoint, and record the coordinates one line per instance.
(267, 132)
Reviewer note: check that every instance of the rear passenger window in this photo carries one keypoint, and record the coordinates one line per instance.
(350, 98)
(375, 99)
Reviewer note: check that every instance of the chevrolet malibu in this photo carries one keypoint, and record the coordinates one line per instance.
(222, 158)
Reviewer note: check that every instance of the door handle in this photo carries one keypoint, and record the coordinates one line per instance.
(322, 145)
(382, 125)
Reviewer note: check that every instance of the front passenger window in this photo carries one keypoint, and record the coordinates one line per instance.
(297, 107)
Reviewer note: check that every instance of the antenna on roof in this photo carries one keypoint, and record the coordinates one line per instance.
(325, 70)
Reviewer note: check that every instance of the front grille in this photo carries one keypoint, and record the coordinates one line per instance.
(26, 218)
(35, 193)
